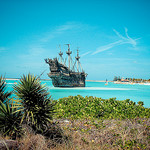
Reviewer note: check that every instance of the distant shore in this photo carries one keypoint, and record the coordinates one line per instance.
(50, 80)
(142, 83)
(115, 82)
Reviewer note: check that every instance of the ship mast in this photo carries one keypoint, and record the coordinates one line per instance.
(79, 67)
(77, 58)
(60, 54)
(68, 53)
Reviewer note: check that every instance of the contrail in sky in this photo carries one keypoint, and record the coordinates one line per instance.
(85, 53)
(106, 47)
(123, 40)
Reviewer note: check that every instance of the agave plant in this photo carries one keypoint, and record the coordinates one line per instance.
(34, 101)
(3, 94)
(10, 120)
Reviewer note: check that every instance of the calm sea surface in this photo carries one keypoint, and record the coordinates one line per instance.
(99, 89)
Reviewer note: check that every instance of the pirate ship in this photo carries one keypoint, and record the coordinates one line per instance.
(66, 74)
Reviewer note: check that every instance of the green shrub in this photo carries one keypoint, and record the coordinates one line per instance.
(93, 107)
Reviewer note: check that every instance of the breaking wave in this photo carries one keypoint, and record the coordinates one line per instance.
(11, 83)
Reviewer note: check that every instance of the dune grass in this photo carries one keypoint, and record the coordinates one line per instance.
(105, 134)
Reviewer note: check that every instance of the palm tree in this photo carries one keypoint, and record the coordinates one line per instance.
(3, 94)
(34, 101)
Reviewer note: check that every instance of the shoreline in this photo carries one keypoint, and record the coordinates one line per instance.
(12, 78)
(50, 80)
(115, 82)
(131, 83)
(19, 79)
(97, 81)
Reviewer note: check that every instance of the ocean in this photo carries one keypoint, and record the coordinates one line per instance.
(133, 92)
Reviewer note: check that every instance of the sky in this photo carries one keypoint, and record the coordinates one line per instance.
(113, 36)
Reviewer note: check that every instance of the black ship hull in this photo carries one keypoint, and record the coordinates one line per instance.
(70, 80)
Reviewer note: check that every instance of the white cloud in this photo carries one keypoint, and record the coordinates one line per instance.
(127, 39)
(135, 62)
(107, 47)
(119, 35)
(60, 30)
(33, 52)
(3, 48)
(84, 54)
(123, 40)
(38, 49)
(65, 27)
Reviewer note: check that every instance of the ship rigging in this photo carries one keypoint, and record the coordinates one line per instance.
(66, 75)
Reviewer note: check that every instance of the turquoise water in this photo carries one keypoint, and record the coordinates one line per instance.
(99, 89)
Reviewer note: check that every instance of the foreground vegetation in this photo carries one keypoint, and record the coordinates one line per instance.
(78, 107)
(31, 120)
(85, 134)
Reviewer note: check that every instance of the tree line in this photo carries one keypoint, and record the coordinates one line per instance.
(136, 80)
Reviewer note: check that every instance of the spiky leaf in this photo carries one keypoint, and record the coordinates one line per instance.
(34, 100)
(3, 94)
(10, 120)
